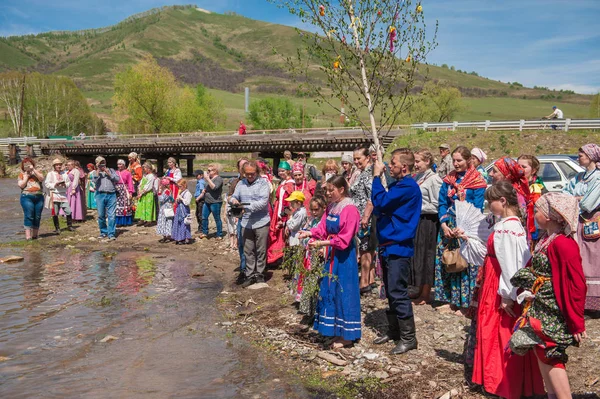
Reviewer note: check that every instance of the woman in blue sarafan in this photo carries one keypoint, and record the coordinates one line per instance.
(338, 308)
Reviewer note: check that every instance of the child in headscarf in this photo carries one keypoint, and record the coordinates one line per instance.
(555, 289)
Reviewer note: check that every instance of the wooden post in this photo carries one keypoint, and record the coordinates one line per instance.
(12, 154)
(30, 153)
(190, 166)
(160, 166)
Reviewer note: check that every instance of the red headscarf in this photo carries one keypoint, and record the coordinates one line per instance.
(266, 169)
(513, 172)
(471, 180)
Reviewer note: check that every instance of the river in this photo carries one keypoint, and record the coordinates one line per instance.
(57, 306)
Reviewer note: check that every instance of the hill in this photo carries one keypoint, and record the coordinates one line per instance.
(229, 52)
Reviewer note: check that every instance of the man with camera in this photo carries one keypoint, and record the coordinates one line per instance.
(250, 201)
(106, 198)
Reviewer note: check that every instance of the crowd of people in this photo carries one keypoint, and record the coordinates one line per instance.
(397, 229)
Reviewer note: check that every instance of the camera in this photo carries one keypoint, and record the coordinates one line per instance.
(286, 211)
(236, 210)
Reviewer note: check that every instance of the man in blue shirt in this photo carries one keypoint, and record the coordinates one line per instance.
(398, 210)
(199, 196)
(254, 192)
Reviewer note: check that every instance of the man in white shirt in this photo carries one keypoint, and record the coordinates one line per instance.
(556, 114)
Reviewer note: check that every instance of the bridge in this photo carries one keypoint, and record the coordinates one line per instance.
(267, 144)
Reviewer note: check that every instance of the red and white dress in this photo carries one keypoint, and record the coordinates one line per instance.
(500, 372)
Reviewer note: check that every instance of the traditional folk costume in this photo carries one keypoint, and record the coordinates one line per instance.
(164, 225)
(307, 187)
(338, 308)
(176, 175)
(146, 205)
(77, 201)
(90, 188)
(136, 171)
(499, 372)
(124, 194)
(56, 184)
(181, 230)
(360, 191)
(587, 186)
(514, 173)
(276, 238)
(456, 288)
(423, 262)
(557, 283)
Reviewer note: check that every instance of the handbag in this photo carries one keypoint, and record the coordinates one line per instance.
(169, 213)
(453, 261)
(591, 230)
(187, 220)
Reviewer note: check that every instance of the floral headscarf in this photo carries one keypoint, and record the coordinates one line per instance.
(471, 180)
(593, 152)
(298, 167)
(562, 208)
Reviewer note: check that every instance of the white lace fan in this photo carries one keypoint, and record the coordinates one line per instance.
(477, 228)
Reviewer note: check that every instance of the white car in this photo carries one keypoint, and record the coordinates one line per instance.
(555, 170)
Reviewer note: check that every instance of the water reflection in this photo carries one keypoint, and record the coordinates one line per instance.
(57, 306)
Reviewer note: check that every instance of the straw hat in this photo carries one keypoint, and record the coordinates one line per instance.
(57, 162)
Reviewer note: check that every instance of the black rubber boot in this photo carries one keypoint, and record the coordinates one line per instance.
(56, 224)
(408, 336)
(393, 332)
(70, 223)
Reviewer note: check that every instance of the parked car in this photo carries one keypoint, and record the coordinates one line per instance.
(555, 170)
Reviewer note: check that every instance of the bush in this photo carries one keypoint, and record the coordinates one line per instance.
(277, 113)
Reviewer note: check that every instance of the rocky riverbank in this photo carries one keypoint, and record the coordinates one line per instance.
(268, 318)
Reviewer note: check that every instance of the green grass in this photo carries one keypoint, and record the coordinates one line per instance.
(11, 57)
(502, 108)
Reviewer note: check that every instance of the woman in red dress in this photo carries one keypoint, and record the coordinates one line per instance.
(279, 217)
(301, 184)
(501, 373)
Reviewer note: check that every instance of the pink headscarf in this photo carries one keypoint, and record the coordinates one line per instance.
(478, 152)
(562, 208)
(593, 152)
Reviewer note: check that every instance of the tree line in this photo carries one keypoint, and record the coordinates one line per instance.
(44, 105)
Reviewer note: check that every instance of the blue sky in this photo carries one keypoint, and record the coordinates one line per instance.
(554, 43)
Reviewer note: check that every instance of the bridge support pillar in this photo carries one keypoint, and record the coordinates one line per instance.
(190, 167)
(160, 167)
(30, 153)
(12, 154)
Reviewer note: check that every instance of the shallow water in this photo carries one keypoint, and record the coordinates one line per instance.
(11, 214)
(53, 316)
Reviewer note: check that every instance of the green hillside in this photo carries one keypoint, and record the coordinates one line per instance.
(229, 52)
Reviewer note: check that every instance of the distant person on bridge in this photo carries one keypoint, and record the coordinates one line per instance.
(242, 129)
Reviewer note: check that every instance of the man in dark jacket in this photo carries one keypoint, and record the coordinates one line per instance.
(398, 210)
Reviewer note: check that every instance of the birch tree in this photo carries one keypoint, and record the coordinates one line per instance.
(11, 88)
(368, 51)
